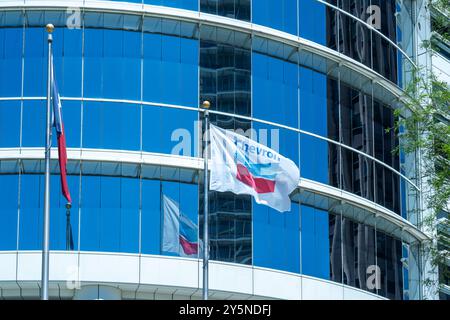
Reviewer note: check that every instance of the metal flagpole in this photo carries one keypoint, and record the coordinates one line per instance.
(205, 106)
(48, 133)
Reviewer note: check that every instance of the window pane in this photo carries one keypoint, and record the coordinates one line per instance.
(277, 14)
(319, 160)
(151, 217)
(8, 213)
(389, 254)
(178, 135)
(112, 69)
(170, 64)
(237, 9)
(358, 254)
(31, 211)
(109, 125)
(11, 40)
(313, 21)
(275, 87)
(9, 124)
(319, 104)
(315, 242)
(67, 56)
(110, 214)
(276, 238)
(34, 120)
(35, 63)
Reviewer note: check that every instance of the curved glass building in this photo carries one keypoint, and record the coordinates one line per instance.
(317, 80)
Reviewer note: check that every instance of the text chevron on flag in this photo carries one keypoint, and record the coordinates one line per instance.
(243, 166)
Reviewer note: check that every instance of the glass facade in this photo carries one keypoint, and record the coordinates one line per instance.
(133, 83)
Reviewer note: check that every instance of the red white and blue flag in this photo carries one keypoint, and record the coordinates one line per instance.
(243, 166)
(59, 126)
(180, 234)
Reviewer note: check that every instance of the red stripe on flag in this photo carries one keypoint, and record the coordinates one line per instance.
(260, 185)
(62, 157)
(188, 247)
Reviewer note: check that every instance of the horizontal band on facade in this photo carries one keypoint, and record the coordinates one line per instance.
(281, 126)
(342, 66)
(153, 276)
(185, 169)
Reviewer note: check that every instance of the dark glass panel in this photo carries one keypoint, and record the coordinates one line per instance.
(358, 243)
(225, 70)
(236, 9)
(354, 36)
(389, 255)
(356, 119)
(357, 174)
(335, 243)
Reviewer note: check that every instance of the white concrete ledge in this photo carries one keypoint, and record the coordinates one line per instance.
(159, 277)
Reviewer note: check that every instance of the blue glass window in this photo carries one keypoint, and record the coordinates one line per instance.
(315, 245)
(277, 14)
(151, 216)
(275, 88)
(31, 211)
(34, 120)
(67, 56)
(313, 102)
(71, 113)
(9, 123)
(8, 213)
(169, 130)
(112, 64)
(110, 214)
(276, 238)
(11, 62)
(109, 125)
(170, 63)
(314, 155)
(312, 20)
(35, 62)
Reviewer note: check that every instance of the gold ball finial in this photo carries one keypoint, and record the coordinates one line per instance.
(50, 27)
(206, 104)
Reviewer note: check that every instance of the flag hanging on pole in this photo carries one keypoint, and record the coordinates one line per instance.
(179, 232)
(243, 166)
(59, 125)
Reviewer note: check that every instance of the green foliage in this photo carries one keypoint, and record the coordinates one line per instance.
(424, 126)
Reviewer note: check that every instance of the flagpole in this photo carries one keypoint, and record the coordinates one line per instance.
(46, 232)
(205, 106)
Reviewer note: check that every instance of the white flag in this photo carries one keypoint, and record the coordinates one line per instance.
(243, 166)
